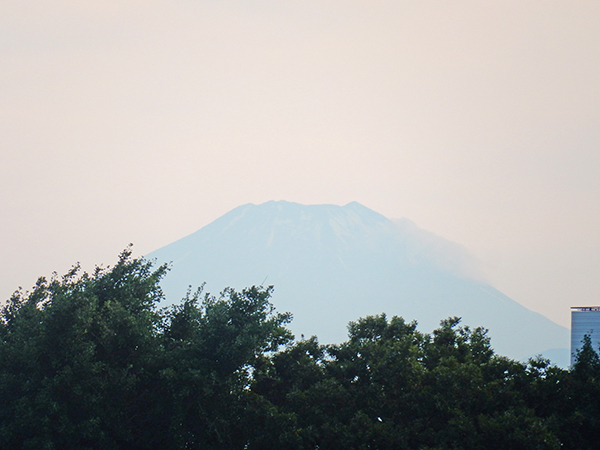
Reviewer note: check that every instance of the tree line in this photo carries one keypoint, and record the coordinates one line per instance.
(91, 361)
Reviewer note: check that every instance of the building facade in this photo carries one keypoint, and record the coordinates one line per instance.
(584, 320)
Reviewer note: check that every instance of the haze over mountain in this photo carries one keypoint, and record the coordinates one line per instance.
(333, 264)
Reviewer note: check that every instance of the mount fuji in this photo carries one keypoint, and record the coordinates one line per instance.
(333, 264)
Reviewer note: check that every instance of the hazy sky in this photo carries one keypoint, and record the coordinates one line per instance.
(142, 121)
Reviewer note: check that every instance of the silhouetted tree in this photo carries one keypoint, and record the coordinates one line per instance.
(88, 361)
(92, 362)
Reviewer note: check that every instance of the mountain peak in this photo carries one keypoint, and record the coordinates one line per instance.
(332, 264)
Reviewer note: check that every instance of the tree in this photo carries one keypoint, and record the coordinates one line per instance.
(392, 387)
(90, 361)
(213, 346)
(587, 361)
(75, 353)
(580, 409)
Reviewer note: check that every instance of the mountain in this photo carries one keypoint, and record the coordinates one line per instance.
(333, 264)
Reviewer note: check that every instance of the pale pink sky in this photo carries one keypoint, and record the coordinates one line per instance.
(142, 121)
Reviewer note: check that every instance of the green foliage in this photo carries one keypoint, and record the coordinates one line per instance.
(392, 387)
(74, 352)
(587, 362)
(90, 361)
(580, 406)
(212, 348)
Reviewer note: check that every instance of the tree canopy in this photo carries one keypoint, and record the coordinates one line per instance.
(91, 361)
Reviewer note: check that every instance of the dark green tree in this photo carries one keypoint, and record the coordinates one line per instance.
(213, 347)
(391, 387)
(579, 410)
(89, 361)
(75, 354)
(587, 361)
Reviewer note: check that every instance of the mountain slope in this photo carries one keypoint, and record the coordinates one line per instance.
(331, 264)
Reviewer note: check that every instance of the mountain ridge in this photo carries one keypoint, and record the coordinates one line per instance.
(333, 264)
